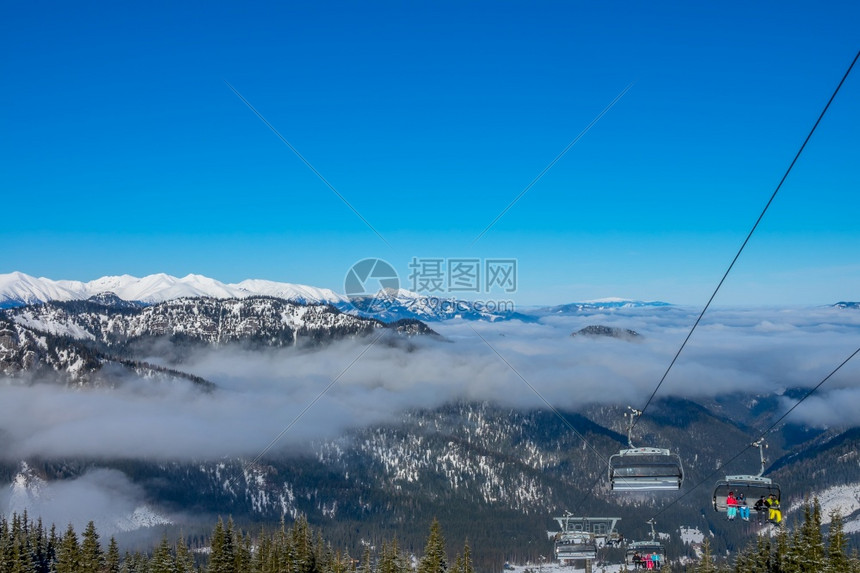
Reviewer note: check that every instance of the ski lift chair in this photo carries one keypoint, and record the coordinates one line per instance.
(644, 469)
(752, 486)
(575, 546)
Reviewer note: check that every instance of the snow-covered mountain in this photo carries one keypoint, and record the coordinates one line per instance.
(43, 354)
(19, 289)
(78, 338)
(405, 304)
(208, 320)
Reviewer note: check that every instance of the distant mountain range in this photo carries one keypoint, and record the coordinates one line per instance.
(18, 289)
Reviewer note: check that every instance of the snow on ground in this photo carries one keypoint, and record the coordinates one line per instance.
(844, 498)
(142, 516)
(692, 535)
(553, 567)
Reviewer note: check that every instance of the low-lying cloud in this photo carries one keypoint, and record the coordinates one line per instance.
(262, 392)
(104, 496)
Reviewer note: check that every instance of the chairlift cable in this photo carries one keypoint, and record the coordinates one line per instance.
(763, 434)
(749, 235)
(708, 304)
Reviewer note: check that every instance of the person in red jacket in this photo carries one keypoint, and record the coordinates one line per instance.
(731, 506)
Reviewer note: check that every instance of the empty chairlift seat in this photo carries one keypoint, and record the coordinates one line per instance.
(645, 469)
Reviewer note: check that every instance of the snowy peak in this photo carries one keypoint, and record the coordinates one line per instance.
(297, 293)
(19, 289)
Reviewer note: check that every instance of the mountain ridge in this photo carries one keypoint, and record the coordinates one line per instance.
(76, 339)
(19, 289)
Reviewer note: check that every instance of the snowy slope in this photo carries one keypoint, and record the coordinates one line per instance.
(19, 289)
(298, 293)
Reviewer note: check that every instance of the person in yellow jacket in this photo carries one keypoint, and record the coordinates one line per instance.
(774, 514)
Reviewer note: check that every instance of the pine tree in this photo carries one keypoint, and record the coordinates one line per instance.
(366, 562)
(763, 562)
(403, 561)
(745, 561)
(39, 543)
(261, 556)
(221, 558)
(302, 547)
(321, 553)
(391, 561)
(162, 559)
(184, 558)
(811, 541)
(322, 557)
(434, 560)
(242, 549)
(135, 563)
(837, 559)
(782, 559)
(386, 560)
(756, 558)
(467, 559)
(339, 564)
(281, 560)
(68, 552)
(706, 563)
(92, 560)
(350, 563)
(112, 560)
(24, 549)
(51, 549)
(6, 546)
(855, 562)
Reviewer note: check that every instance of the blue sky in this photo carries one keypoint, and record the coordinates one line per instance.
(124, 151)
